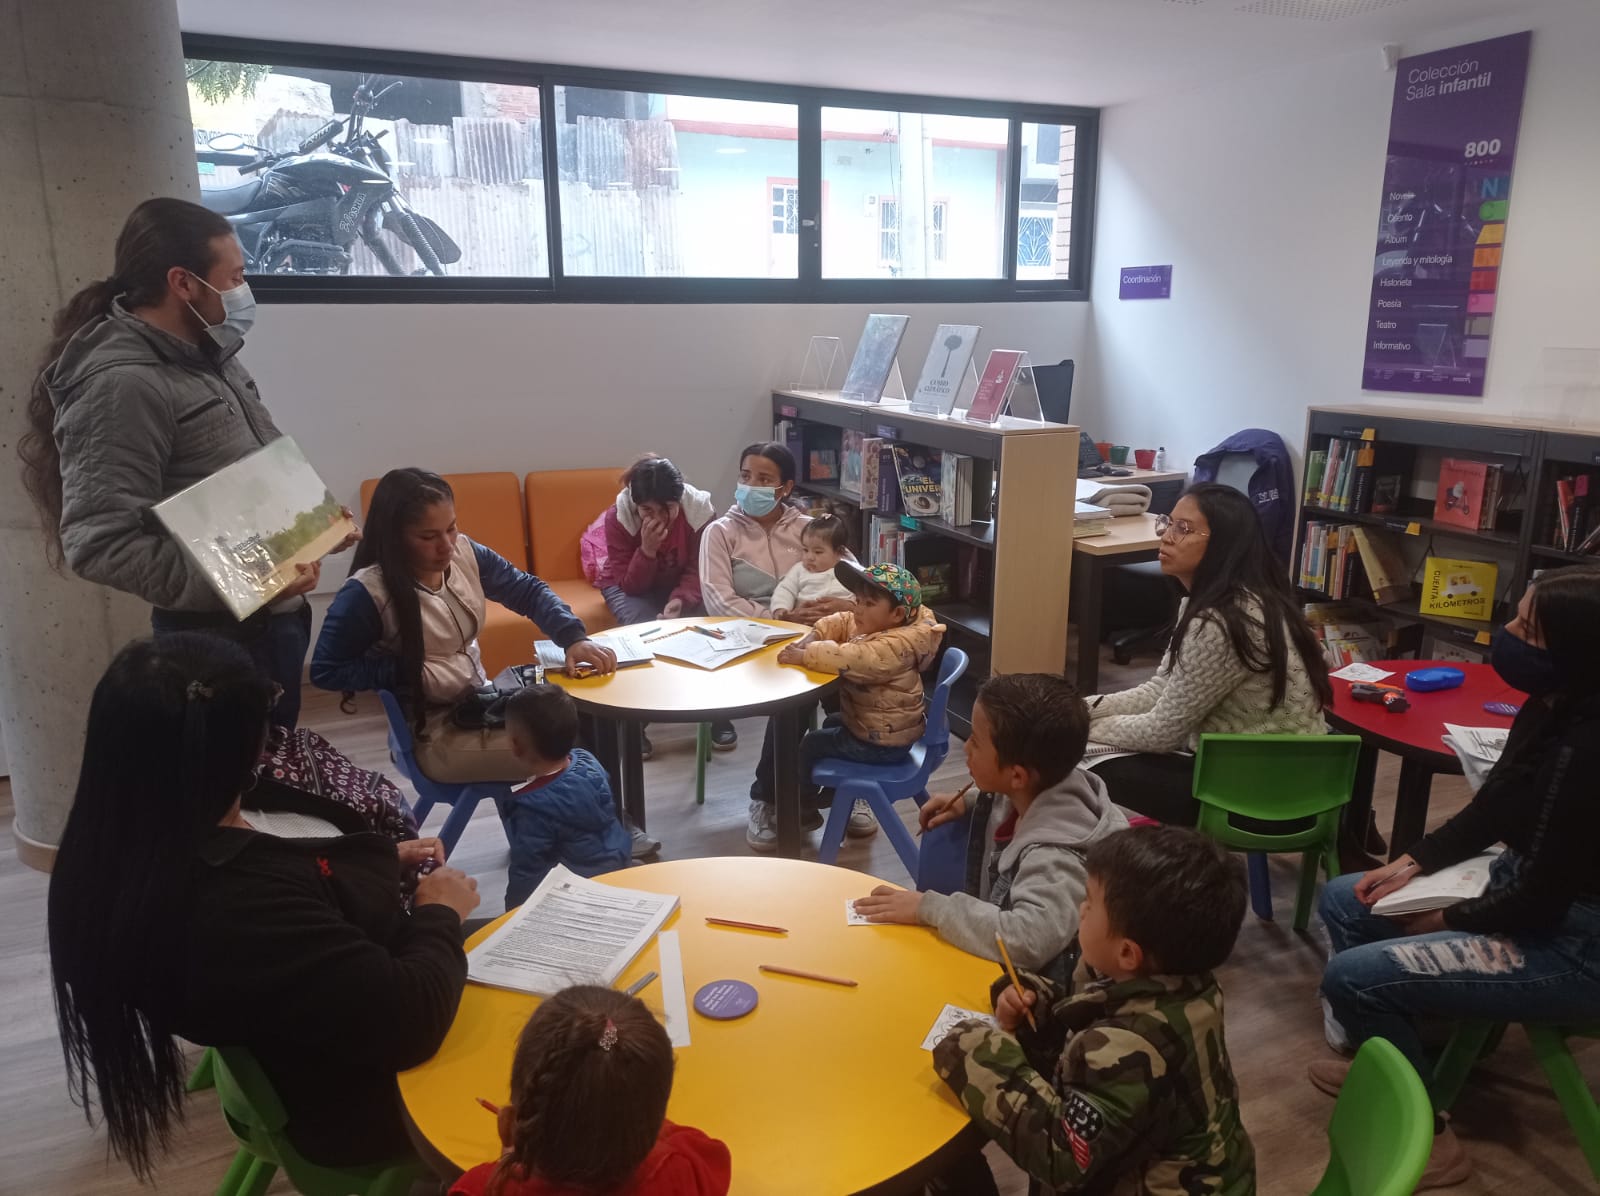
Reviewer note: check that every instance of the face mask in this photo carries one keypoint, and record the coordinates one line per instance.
(756, 501)
(1523, 666)
(238, 313)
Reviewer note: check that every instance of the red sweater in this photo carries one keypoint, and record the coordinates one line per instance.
(675, 566)
(685, 1162)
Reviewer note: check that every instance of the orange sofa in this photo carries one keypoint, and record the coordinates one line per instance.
(490, 509)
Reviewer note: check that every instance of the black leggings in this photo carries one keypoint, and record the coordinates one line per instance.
(1159, 785)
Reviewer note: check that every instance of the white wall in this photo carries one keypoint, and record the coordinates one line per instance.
(1263, 192)
(464, 387)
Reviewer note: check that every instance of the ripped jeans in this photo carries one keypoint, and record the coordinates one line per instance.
(1378, 982)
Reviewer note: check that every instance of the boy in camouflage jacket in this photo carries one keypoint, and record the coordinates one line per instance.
(1125, 1087)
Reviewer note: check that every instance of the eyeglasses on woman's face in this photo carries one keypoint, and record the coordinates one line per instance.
(1179, 528)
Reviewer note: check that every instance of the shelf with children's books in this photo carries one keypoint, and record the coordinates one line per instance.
(933, 493)
(1409, 609)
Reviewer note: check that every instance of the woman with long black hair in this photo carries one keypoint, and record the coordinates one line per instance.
(141, 394)
(1242, 659)
(171, 916)
(1528, 949)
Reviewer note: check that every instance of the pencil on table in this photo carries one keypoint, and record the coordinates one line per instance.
(958, 797)
(776, 970)
(1011, 971)
(490, 1105)
(747, 925)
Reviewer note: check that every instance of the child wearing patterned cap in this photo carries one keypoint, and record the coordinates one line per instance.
(587, 1115)
(879, 651)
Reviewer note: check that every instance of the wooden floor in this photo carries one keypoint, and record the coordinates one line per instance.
(1508, 1119)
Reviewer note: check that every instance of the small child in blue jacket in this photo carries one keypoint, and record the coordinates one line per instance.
(565, 813)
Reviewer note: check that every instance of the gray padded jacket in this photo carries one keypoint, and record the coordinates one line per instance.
(140, 415)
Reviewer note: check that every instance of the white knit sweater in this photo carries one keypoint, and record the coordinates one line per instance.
(1207, 688)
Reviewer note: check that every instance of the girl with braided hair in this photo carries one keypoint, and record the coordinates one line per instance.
(587, 1116)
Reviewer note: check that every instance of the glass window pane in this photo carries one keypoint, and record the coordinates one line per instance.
(371, 174)
(1044, 201)
(912, 195)
(676, 186)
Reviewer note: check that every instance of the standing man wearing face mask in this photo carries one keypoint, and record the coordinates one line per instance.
(141, 395)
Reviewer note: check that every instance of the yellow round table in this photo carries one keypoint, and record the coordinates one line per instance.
(668, 691)
(822, 1090)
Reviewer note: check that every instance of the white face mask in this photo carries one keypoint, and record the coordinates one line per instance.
(238, 313)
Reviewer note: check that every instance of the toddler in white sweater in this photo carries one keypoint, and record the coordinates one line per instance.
(823, 544)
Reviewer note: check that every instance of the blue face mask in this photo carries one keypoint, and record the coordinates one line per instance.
(1523, 666)
(756, 501)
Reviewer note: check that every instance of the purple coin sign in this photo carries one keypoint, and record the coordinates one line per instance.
(1145, 282)
(1442, 222)
(725, 999)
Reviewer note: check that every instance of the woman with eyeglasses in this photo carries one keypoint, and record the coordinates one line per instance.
(1242, 659)
(174, 914)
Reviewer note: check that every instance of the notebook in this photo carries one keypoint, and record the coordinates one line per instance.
(1459, 882)
(740, 638)
(630, 650)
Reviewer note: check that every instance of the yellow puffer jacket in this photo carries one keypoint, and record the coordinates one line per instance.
(881, 674)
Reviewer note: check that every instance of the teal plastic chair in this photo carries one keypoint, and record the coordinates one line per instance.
(1472, 1041)
(1278, 778)
(1382, 1127)
(256, 1119)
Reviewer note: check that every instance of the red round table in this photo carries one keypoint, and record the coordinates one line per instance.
(1416, 736)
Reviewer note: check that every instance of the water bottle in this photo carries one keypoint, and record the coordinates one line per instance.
(1161, 458)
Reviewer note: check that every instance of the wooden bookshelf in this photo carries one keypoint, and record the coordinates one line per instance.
(1018, 623)
(1533, 454)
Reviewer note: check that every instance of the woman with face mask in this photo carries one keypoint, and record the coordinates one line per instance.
(140, 395)
(1529, 948)
(743, 556)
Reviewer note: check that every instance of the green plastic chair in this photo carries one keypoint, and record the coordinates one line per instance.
(1278, 778)
(256, 1119)
(1471, 1041)
(1382, 1127)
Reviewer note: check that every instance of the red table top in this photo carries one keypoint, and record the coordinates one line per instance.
(1418, 730)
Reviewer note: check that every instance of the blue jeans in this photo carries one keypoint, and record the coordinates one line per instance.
(635, 608)
(277, 644)
(1380, 981)
(834, 741)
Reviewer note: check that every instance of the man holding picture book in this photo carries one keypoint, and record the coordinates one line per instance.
(1525, 944)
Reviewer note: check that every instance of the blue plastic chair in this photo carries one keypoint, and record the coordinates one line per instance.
(462, 798)
(881, 785)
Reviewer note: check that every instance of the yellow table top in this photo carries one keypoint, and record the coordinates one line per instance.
(664, 689)
(822, 1089)
(1123, 534)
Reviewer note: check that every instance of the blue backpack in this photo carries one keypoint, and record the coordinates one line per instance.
(1271, 483)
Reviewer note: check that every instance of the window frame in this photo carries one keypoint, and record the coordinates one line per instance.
(809, 287)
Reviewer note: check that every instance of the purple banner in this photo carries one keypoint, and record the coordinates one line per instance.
(1146, 282)
(1442, 222)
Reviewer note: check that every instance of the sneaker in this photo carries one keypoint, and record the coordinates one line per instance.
(1327, 1075)
(643, 844)
(1448, 1164)
(647, 749)
(810, 817)
(1334, 1033)
(862, 823)
(762, 832)
(723, 737)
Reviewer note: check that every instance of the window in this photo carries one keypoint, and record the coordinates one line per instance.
(658, 185)
(883, 170)
(1044, 201)
(334, 172)
(364, 174)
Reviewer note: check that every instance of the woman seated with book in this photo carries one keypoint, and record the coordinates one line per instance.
(1242, 660)
(172, 916)
(407, 621)
(1528, 947)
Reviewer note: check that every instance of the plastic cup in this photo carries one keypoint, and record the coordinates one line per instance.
(1103, 447)
(1144, 458)
(1119, 454)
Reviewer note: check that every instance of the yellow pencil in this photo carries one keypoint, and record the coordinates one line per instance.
(1011, 971)
(964, 789)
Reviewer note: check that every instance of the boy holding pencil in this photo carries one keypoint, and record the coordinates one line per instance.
(1036, 818)
(1123, 1083)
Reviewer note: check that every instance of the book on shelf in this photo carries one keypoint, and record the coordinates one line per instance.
(1576, 518)
(1458, 589)
(871, 455)
(1316, 463)
(822, 465)
(850, 449)
(887, 541)
(917, 469)
(945, 368)
(1366, 457)
(1463, 488)
(1329, 487)
(935, 580)
(874, 359)
(888, 481)
(1384, 564)
(791, 435)
(994, 386)
(1347, 633)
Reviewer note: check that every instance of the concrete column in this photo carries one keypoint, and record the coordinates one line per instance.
(94, 118)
